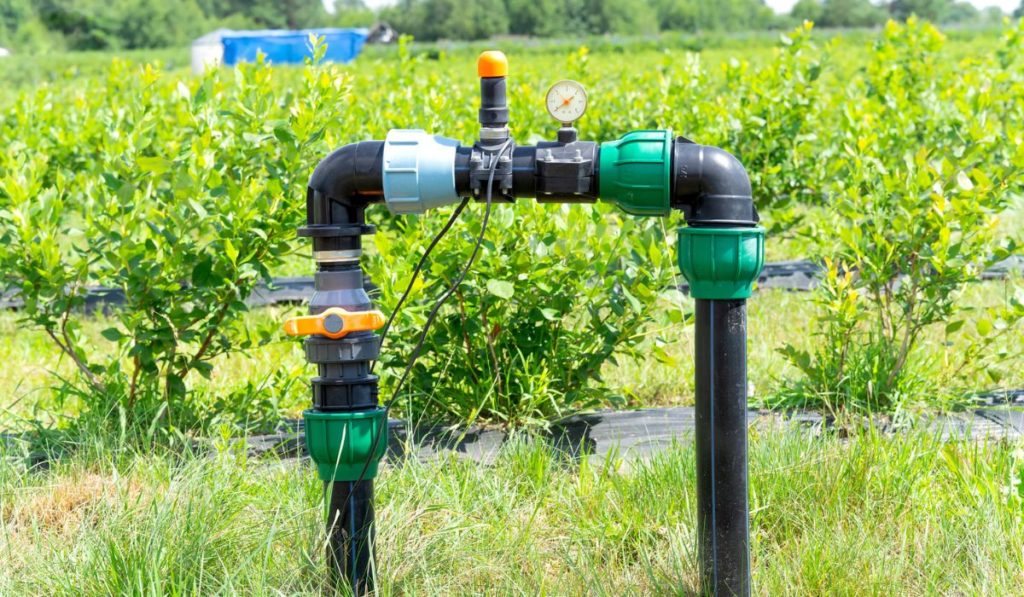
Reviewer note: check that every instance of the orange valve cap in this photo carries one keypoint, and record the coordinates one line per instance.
(334, 323)
(492, 63)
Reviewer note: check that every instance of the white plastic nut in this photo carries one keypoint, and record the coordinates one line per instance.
(419, 171)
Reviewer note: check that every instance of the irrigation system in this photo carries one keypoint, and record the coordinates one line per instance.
(644, 173)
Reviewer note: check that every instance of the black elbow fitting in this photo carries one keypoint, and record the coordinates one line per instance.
(343, 184)
(711, 186)
(341, 187)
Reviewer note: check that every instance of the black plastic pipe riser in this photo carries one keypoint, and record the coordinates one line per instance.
(351, 534)
(721, 437)
(341, 187)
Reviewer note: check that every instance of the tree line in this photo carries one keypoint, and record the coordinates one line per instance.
(863, 13)
(33, 25)
(458, 19)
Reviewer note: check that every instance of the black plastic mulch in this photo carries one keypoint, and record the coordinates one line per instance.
(640, 434)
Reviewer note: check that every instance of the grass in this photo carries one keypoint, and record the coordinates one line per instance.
(863, 516)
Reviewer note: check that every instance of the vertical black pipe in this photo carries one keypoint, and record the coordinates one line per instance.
(351, 534)
(721, 434)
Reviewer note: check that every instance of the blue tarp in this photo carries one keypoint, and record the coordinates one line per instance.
(290, 47)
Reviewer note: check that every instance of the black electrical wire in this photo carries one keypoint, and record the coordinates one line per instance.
(437, 308)
(416, 272)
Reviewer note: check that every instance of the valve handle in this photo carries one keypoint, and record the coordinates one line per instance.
(334, 323)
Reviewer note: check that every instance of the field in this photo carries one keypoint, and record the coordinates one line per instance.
(894, 156)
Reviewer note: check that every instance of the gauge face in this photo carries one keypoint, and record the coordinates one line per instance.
(566, 101)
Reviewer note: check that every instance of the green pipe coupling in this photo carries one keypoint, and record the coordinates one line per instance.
(636, 172)
(340, 442)
(721, 263)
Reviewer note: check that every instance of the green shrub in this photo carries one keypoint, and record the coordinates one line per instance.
(916, 196)
(557, 292)
(177, 193)
(771, 125)
(184, 193)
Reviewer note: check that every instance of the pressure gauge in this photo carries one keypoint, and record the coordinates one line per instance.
(566, 101)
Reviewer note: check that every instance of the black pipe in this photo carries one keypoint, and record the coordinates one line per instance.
(341, 187)
(721, 436)
(713, 190)
(526, 171)
(711, 187)
(351, 533)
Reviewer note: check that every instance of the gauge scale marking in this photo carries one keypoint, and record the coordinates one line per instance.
(566, 101)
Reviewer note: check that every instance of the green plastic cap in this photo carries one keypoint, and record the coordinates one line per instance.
(721, 263)
(635, 172)
(340, 442)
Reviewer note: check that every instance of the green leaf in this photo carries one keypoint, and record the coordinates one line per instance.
(964, 182)
(153, 165)
(112, 181)
(176, 386)
(230, 251)
(202, 274)
(283, 134)
(500, 288)
(663, 357)
(112, 334)
(633, 301)
(183, 91)
(198, 208)
(205, 369)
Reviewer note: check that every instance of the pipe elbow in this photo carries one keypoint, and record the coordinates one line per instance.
(344, 183)
(711, 186)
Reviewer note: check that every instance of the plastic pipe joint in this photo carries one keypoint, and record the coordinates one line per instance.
(635, 172)
(418, 171)
(721, 263)
(334, 323)
(342, 443)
